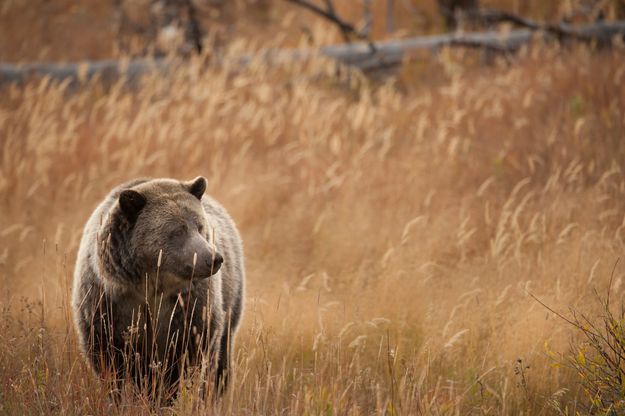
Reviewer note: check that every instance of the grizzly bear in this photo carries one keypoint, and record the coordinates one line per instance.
(158, 286)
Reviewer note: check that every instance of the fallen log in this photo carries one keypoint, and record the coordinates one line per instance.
(394, 52)
(359, 55)
(107, 70)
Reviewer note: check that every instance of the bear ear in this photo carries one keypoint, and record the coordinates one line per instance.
(131, 203)
(198, 186)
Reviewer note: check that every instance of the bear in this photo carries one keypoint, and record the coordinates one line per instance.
(158, 287)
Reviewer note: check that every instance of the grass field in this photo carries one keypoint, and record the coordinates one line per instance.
(394, 232)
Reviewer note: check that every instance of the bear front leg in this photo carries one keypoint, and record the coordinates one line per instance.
(102, 346)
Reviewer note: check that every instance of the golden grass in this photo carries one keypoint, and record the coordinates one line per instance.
(393, 232)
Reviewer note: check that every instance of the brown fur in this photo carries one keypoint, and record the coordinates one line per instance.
(151, 296)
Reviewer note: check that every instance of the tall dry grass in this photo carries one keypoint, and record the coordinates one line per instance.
(393, 232)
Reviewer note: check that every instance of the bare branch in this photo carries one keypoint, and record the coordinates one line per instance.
(195, 30)
(607, 302)
(499, 16)
(331, 10)
(573, 322)
(388, 54)
(330, 14)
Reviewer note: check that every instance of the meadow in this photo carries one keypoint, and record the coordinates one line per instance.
(397, 232)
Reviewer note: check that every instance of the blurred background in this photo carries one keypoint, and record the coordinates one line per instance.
(415, 234)
(75, 30)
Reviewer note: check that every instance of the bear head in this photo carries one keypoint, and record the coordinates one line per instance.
(158, 229)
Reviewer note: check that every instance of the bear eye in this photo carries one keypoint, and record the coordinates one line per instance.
(178, 232)
(200, 229)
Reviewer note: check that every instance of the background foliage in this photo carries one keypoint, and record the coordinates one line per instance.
(393, 230)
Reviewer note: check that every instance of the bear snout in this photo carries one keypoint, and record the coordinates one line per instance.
(207, 265)
(215, 262)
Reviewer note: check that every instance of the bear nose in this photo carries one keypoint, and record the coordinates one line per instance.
(217, 261)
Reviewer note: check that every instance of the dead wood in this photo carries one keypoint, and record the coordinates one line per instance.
(359, 55)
